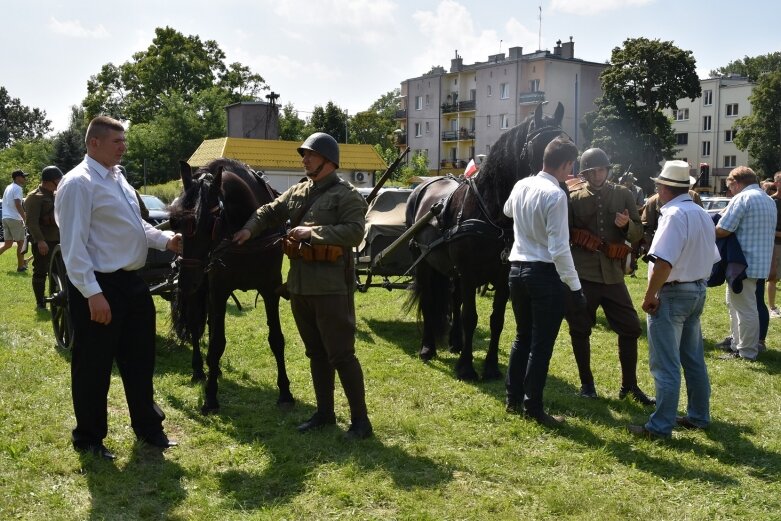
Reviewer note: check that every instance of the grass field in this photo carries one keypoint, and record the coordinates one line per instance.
(443, 449)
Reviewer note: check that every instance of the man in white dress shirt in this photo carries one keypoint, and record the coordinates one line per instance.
(104, 243)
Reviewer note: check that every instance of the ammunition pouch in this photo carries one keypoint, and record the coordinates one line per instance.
(585, 239)
(296, 250)
(618, 251)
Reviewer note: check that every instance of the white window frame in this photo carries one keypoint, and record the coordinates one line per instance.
(705, 149)
(504, 91)
(730, 161)
(428, 127)
(505, 121)
(707, 97)
(707, 123)
(428, 100)
(418, 102)
(488, 120)
(490, 91)
(729, 135)
(534, 85)
(418, 130)
(681, 114)
(731, 110)
(685, 138)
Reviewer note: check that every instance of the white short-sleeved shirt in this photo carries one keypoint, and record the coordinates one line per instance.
(12, 193)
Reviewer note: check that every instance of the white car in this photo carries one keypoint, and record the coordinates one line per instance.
(714, 205)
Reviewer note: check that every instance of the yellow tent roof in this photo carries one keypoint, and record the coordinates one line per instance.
(281, 155)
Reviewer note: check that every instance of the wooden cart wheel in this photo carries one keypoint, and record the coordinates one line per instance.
(58, 300)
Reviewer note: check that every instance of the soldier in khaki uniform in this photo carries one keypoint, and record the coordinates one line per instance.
(327, 216)
(39, 206)
(603, 218)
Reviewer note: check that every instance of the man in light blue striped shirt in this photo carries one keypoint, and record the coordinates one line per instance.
(751, 216)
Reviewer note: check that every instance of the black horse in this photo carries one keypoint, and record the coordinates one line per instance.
(214, 204)
(466, 245)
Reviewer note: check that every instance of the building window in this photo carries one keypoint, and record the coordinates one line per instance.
(730, 161)
(705, 148)
(504, 90)
(729, 135)
(418, 131)
(682, 139)
(732, 109)
(707, 97)
(428, 100)
(418, 102)
(681, 114)
(488, 120)
(472, 94)
(490, 91)
(534, 85)
(428, 127)
(706, 120)
(505, 121)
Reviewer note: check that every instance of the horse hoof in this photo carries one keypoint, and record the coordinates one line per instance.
(469, 375)
(285, 406)
(198, 378)
(492, 374)
(427, 353)
(455, 350)
(209, 410)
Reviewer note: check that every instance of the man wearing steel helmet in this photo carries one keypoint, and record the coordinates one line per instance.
(327, 217)
(603, 216)
(628, 181)
(39, 205)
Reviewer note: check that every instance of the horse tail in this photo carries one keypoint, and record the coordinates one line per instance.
(430, 296)
(189, 314)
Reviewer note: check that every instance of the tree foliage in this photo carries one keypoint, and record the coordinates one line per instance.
(375, 126)
(760, 131)
(30, 155)
(752, 68)
(291, 127)
(331, 120)
(19, 121)
(644, 78)
(68, 145)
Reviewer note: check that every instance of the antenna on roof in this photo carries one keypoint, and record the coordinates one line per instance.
(539, 41)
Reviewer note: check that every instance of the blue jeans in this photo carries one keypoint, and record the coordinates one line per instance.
(538, 297)
(675, 342)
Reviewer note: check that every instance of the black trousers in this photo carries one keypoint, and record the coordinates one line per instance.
(130, 340)
(40, 270)
(326, 324)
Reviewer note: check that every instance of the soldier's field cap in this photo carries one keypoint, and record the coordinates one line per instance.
(674, 173)
(51, 173)
(17, 173)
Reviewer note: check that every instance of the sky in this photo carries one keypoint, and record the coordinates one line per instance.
(352, 52)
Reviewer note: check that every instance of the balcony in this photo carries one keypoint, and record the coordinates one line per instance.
(531, 97)
(458, 135)
(400, 114)
(450, 135)
(460, 106)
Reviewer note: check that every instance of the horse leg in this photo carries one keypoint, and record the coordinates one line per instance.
(276, 340)
(198, 374)
(456, 337)
(465, 369)
(491, 367)
(424, 282)
(214, 353)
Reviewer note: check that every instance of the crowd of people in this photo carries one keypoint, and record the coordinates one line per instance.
(569, 246)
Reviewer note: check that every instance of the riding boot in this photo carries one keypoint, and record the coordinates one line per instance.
(627, 356)
(323, 382)
(581, 348)
(351, 376)
(39, 290)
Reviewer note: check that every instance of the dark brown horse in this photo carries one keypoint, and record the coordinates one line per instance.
(466, 246)
(214, 204)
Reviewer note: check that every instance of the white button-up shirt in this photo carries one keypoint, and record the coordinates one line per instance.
(686, 238)
(538, 207)
(101, 229)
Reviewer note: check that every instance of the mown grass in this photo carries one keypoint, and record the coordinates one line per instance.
(443, 449)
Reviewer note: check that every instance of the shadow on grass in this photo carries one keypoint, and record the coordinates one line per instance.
(148, 487)
(249, 416)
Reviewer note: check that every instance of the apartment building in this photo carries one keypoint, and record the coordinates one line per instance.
(704, 130)
(455, 115)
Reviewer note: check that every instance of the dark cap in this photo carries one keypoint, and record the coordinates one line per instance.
(17, 173)
(51, 173)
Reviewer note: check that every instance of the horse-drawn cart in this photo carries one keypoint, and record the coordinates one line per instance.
(159, 272)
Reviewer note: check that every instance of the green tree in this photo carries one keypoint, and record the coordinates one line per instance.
(417, 166)
(30, 155)
(375, 126)
(644, 78)
(331, 120)
(752, 68)
(19, 121)
(760, 131)
(291, 127)
(68, 145)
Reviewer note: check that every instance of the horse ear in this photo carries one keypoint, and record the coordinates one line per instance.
(186, 174)
(217, 182)
(538, 116)
(558, 116)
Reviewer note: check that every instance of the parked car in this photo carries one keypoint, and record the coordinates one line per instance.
(158, 211)
(713, 204)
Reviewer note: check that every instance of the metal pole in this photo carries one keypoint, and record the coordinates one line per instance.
(144, 174)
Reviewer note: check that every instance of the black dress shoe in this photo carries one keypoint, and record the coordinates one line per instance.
(545, 419)
(637, 394)
(359, 430)
(588, 391)
(159, 440)
(96, 449)
(685, 423)
(317, 421)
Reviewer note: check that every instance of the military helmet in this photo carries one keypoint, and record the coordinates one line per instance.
(51, 173)
(593, 158)
(323, 144)
(629, 176)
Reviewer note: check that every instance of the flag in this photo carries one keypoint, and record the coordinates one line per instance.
(471, 168)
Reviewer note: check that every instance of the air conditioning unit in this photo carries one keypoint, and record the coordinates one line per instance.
(359, 177)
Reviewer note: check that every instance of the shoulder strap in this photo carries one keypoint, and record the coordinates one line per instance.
(312, 198)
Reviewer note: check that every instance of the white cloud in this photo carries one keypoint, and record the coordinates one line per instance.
(74, 29)
(351, 20)
(587, 7)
